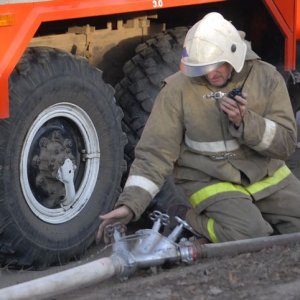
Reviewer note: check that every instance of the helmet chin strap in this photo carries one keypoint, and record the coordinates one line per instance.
(229, 76)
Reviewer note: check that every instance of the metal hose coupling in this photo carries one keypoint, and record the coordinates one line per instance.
(197, 248)
(151, 248)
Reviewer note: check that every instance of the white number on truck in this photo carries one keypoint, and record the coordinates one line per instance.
(158, 3)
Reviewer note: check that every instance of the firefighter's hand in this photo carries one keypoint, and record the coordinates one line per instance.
(122, 214)
(234, 108)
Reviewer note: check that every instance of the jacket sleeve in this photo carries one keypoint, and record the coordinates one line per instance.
(273, 133)
(155, 153)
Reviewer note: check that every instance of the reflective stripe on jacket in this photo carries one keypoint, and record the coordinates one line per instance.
(257, 190)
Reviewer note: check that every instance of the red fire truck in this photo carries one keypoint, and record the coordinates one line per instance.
(77, 81)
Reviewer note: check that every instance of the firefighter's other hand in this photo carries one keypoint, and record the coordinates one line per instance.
(122, 214)
(234, 108)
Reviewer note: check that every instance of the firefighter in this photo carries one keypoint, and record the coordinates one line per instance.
(227, 153)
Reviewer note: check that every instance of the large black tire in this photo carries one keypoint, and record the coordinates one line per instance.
(156, 59)
(60, 110)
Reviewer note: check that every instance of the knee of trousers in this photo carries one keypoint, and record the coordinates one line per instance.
(255, 228)
(222, 230)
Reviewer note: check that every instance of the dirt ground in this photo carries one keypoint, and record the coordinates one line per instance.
(269, 274)
(272, 273)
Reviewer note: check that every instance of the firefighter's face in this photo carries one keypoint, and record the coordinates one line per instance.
(219, 76)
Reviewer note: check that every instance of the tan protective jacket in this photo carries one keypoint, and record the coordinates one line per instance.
(188, 135)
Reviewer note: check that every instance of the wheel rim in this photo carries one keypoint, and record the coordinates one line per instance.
(81, 146)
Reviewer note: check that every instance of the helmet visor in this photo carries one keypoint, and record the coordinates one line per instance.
(196, 70)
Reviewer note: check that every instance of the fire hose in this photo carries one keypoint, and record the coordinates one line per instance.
(151, 248)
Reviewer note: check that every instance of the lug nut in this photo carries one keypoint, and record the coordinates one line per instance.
(43, 142)
(36, 161)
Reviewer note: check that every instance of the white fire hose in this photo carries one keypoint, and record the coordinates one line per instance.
(151, 249)
(61, 282)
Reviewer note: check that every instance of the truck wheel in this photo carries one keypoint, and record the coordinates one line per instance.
(61, 159)
(155, 60)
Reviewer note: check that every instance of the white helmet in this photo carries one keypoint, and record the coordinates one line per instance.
(210, 43)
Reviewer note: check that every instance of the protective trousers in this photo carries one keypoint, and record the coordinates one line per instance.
(238, 216)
